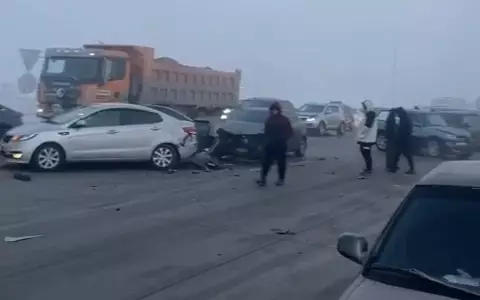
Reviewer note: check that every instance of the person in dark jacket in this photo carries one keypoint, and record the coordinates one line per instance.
(391, 131)
(278, 130)
(404, 140)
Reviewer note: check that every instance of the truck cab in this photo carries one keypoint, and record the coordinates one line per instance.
(73, 77)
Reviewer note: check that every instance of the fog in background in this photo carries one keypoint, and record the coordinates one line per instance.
(302, 50)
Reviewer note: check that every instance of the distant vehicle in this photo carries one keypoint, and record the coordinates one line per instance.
(241, 135)
(9, 118)
(100, 132)
(428, 248)
(431, 135)
(101, 73)
(466, 119)
(319, 118)
(259, 103)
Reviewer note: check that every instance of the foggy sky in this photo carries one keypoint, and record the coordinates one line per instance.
(302, 50)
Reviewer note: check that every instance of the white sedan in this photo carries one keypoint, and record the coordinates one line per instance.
(101, 132)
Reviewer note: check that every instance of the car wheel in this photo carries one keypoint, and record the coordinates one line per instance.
(302, 148)
(381, 142)
(322, 129)
(48, 157)
(165, 157)
(341, 129)
(433, 148)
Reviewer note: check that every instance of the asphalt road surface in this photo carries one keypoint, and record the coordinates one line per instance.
(126, 233)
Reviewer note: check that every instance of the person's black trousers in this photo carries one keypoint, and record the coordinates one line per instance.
(390, 157)
(366, 151)
(404, 148)
(275, 152)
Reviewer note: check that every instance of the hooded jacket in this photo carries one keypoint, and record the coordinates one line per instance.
(278, 128)
(405, 126)
(367, 129)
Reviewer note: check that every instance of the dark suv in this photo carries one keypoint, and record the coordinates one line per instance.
(466, 119)
(9, 118)
(432, 135)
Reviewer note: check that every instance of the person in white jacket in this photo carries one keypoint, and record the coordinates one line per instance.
(367, 135)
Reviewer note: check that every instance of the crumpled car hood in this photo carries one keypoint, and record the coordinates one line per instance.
(242, 128)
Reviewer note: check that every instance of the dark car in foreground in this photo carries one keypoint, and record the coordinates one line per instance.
(241, 135)
(429, 248)
(9, 118)
(432, 136)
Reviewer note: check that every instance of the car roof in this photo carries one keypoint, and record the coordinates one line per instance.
(454, 173)
(117, 105)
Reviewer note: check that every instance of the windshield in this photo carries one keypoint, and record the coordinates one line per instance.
(436, 120)
(436, 233)
(70, 115)
(252, 116)
(313, 108)
(256, 103)
(78, 68)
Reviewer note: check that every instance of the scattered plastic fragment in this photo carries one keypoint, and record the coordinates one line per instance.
(21, 177)
(12, 239)
(283, 232)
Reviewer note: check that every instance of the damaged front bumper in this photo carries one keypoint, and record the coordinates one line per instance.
(240, 146)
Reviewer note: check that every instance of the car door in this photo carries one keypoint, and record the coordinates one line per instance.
(298, 130)
(332, 116)
(97, 139)
(419, 134)
(140, 131)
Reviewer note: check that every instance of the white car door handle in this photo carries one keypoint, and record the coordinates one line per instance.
(113, 131)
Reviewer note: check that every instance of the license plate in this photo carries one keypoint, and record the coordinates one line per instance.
(242, 150)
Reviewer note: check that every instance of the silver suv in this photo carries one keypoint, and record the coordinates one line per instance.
(320, 118)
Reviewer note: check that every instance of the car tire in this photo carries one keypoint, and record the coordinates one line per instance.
(48, 157)
(433, 148)
(381, 142)
(165, 157)
(322, 129)
(341, 129)
(302, 148)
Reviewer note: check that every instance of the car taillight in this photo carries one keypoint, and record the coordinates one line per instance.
(190, 130)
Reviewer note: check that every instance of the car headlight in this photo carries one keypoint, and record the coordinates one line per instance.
(311, 120)
(223, 117)
(21, 138)
(227, 111)
(449, 136)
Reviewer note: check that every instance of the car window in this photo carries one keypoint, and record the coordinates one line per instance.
(436, 232)
(287, 105)
(312, 108)
(138, 117)
(108, 117)
(331, 109)
(172, 113)
(473, 121)
(382, 116)
(253, 116)
(436, 120)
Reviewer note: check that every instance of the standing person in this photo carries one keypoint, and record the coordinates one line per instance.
(391, 131)
(367, 135)
(278, 130)
(404, 141)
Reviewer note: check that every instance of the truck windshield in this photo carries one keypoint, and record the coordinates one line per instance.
(77, 68)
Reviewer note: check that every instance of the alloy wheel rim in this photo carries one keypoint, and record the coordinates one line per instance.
(162, 157)
(433, 148)
(382, 142)
(48, 158)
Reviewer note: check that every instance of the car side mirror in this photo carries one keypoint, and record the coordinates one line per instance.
(79, 124)
(353, 247)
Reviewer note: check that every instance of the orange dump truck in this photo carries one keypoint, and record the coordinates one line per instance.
(126, 73)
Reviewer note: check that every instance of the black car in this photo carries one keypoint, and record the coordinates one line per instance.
(9, 118)
(432, 135)
(259, 103)
(466, 119)
(241, 135)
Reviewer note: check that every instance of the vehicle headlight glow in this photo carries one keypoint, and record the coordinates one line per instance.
(21, 138)
(311, 120)
(450, 136)
(227, 111)
(223, 117)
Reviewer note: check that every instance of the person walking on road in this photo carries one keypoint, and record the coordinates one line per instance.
(404, 141)
(278, 130)
(391, 132)
(367, 136)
